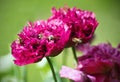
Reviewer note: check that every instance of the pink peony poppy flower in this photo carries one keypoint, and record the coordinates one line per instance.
(40, 39)
(81, 22)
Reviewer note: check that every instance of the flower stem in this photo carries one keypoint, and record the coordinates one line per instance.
(74, 54)
(52, 69)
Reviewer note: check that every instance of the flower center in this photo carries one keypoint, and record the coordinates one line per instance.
(51, 37)
(76, 40)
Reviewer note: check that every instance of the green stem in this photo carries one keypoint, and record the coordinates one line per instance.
(52, 69)
(74, 54)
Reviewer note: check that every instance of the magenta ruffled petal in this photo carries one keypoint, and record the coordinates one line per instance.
(40, 39)
(82, 23)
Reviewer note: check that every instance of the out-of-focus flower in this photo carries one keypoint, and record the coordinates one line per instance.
(81, 22)
(40, 39)
(75, 75)
(101, 61)
(6, 63)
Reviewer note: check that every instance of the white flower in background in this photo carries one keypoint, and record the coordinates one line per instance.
(6, 62)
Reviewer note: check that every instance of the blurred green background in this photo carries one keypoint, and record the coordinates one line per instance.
(14, 14)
